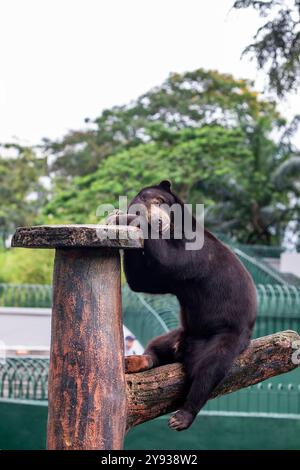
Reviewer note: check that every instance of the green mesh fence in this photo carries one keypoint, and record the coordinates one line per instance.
(262, 251)
(25, 295)
(260, 272)
(278, 309)
(24, 378)
(148, 316)
(27, 379)
(271, 396)
(140, 317)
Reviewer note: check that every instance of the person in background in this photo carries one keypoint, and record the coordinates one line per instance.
(130, 348)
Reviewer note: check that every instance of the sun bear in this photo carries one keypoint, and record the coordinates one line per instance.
(217, 300)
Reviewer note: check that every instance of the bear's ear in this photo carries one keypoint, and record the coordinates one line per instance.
(165, 184)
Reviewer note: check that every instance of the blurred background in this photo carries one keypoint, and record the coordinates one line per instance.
(98, 99)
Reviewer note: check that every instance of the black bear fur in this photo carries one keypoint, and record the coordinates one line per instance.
(218, 305)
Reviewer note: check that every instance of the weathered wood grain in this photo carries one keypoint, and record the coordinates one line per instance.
(87, 390)
(158, 391)
(60, 236)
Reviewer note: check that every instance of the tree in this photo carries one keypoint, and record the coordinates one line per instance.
(234, 174)
(192, 100)
(193, 155)
(276, 46)
(258, 207)
(22, 193)
(210, 133)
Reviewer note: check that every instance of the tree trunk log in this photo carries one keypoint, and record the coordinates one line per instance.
(158, 391)
(87, 389)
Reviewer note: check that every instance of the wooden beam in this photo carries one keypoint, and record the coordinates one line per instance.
(64, 236)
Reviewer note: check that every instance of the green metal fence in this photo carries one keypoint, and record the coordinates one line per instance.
(262, 251)
(25, 295)
(140, 317)
(270, 396)
(24, 378)
(148, 316)
(278, 309)
(27, 379)
(251, 257)
(260, 271)
(151, 315)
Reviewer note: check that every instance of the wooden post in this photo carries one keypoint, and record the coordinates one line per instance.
(87, 388)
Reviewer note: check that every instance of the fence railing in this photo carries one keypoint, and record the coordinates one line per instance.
(148, 316)
(278, 309)
(251, 256)
(265, 397)
(27, 379)
(24, 378)
(260, 271)
(262, 251)
(25, 295)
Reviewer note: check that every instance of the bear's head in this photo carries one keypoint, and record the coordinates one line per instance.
(156, 194)
(153, 202)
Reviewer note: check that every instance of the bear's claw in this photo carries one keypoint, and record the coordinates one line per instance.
(181, 420)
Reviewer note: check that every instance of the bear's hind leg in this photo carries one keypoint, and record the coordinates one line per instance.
(207, 362)
(165, 348)
(160, 351)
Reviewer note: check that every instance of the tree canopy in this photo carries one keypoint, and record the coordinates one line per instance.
(192, 99)
(22, 193)
(213, 136)
(236, 180)
(276, 44)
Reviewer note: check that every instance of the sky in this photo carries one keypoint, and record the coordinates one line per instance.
(62, 61)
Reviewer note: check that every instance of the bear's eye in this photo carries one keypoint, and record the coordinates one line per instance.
(159, 200)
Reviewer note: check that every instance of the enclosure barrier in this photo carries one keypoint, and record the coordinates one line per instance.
(91, 401)
(27, 379)
(261, 273)
(25, 295)
(24, 378)
(148, 316)
(262, 251)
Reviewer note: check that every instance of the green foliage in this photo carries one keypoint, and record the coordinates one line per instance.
(195, 156)
(193, 99)
(209, 133)
(233, 173)
(276, 46)
(21, 192)
(26, 266)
